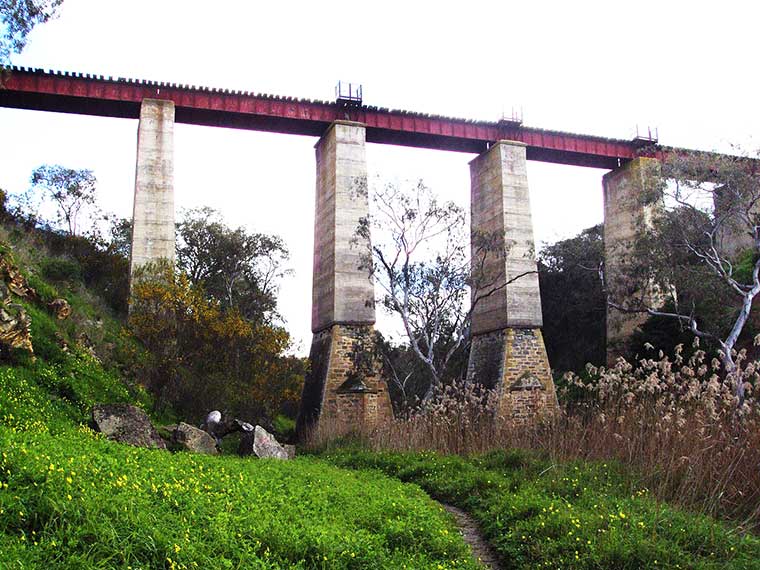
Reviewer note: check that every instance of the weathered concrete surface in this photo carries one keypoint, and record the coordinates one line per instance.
(341, 292)
(513, 361)
(153, 215)
(349, 394)
(630, 205)
(500, 207)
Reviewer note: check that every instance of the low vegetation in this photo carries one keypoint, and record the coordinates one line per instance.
(190, 511)
(542, 514)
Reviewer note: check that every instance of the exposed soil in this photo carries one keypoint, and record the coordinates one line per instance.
(471, 534)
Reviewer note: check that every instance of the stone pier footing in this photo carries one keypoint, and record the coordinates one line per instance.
(513, 362)
(153, 215)
(630, 204)
(344, 386)
(508, 353)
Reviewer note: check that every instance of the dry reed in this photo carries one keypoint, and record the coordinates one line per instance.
(676, 422)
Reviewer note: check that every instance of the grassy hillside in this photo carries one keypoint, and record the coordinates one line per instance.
(71, 499)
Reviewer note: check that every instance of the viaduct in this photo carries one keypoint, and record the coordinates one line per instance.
(507, 351)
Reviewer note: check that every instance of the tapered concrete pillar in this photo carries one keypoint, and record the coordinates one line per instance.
(344, 384)
(507, 351)
(630, 204)
(732, 205)
(153, 214)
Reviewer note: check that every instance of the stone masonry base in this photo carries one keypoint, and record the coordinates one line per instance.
(344, 386)
(513, 361)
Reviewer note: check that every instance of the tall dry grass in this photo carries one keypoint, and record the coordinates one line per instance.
(675, 421)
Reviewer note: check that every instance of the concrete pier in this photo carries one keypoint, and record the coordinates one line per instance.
(344, 384)
(508, 352)
(153, 215)
(631, 201)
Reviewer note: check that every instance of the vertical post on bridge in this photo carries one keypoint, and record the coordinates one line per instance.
(507, 352)
(153, 214)
(344, 385)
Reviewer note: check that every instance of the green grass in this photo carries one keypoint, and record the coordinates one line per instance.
(77, 501)
(537, 514)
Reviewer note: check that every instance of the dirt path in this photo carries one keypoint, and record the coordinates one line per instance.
(471, 534)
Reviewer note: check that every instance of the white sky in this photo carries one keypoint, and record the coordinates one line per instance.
(688, 68)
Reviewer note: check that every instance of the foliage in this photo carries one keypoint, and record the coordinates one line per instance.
(679, 419)
(284, 427)
(573, 301)
(408, 377)
(71, 191)
(51, 397)
(101, 264)
(237, 268)
(104, 270)
(69, 498)
(204, 357)
(120, 236)
(59, 269)
(19, 17)
(537, 513)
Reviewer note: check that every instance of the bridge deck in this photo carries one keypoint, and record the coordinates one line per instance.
(85, 94)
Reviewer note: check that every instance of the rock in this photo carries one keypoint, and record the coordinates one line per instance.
(60, 308)
(265, 445)
(15, 281)
(242, 426)
(261, 443)
(192, 439)
(126, 424)
(15, 327)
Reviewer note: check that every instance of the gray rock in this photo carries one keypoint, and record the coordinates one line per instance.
(126, 424)
(265, 445)
(290, 450)
(190, 438)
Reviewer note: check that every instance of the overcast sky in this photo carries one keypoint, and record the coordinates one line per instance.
(688, 68)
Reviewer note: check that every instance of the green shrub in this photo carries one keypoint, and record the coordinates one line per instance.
(47, 338)
(284, 427)
(45, 291)
(61, 269)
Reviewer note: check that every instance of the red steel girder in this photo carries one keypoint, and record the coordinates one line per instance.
(104, 96)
